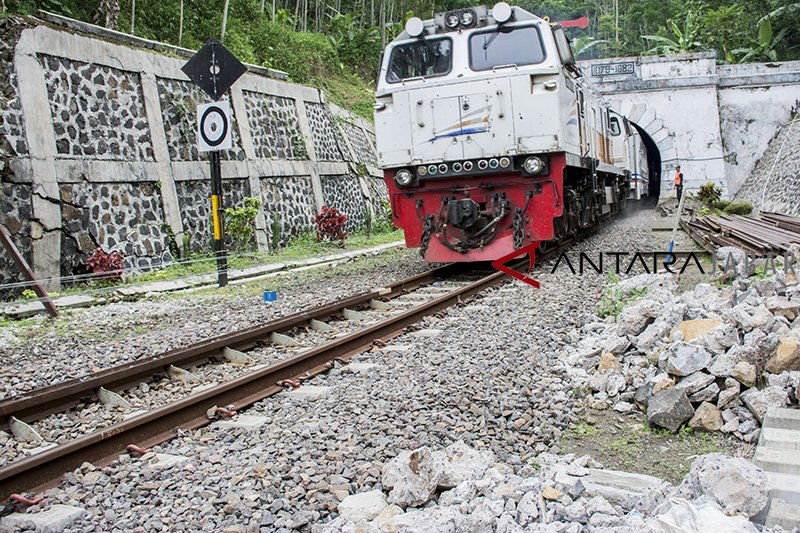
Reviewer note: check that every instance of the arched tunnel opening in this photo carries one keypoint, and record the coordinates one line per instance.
(653, 164)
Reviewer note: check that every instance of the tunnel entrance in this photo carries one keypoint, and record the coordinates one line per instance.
(653, 164)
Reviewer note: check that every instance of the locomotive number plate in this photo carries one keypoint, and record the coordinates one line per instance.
(610, 69)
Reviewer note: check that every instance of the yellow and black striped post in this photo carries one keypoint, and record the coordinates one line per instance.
(218, 222)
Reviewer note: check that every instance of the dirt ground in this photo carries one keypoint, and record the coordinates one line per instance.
(627, 442)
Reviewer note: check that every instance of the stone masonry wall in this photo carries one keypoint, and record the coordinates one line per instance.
(344, 193)
(15, 197)
(98, 149)
(775, 182)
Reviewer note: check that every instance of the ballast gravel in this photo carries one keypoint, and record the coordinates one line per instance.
(84, 341)
(491, 374)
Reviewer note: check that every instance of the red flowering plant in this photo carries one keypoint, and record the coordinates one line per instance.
(330, 225)
(105, 265)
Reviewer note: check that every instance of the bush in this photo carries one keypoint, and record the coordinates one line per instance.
(739, 208)
(105, 265)
(720, 205)
(709, 193)
(330, 225)
(240, 222)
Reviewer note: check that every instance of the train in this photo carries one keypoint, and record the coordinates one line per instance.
(490, 138)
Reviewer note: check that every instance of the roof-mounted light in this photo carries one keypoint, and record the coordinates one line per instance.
(415, 27)
(467, 17)
(501, 12)
(451, 20)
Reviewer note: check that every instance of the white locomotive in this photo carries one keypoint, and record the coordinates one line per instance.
(491, 139)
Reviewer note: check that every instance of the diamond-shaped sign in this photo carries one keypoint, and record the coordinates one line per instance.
(214, 69)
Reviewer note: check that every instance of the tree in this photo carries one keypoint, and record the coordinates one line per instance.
(685, 39)
(107, 14)
(764, 47)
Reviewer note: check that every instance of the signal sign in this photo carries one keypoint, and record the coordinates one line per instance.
(214, 127)
(214, 69)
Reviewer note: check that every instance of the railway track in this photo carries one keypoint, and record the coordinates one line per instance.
(253, 383)
(201, 406)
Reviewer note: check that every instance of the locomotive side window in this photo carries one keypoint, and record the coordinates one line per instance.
(422, 58)
(515, 46)
(613, 126)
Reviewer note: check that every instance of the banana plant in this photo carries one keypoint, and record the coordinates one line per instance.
(685, 38)
(765, 47)
(582, 45)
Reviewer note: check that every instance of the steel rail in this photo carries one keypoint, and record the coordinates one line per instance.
(161, 424)
(62, 396)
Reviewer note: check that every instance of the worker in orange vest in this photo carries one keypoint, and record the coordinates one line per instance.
(679, 182)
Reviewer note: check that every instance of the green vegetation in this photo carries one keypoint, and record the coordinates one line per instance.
(240, 223)
(708, 194)
(739, 208)
(337, 47)
(614, 299)
(627, 442)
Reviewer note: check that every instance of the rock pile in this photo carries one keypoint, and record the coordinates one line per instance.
(715, 357)
(466, 490)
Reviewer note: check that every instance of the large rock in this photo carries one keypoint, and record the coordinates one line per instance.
(748, 318)
(693, 329)
(364, 506)
(782, 306)
(669, 409)
(680, 516)
(695, 382)
(729, 396)
(706, 418)
(744, 373)
(786, 357)
(758, 401)
(684, 359)
(634, 318)
(414, 476)
(466, 463)
(659, 330)
(733, 261)
(737, 485)
(609, 363)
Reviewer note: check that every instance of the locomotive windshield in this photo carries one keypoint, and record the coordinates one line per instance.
(518, 46)
(425, 57)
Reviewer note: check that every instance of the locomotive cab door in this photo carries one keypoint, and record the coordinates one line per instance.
(582, 129)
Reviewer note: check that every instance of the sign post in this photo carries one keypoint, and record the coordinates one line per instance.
(214, 69)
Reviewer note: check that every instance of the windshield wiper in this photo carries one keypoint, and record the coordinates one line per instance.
(430, 46)
(491, 39)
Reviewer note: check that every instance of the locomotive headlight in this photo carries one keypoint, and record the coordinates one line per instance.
(415, 27)
(404, 177)
(467, 18)
(533, 165)
(451, 21)
(501, 12)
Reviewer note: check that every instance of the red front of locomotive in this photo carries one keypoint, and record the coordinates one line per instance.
(477, 210)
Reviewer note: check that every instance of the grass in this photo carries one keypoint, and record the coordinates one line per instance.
(302, 248)
(629, 443)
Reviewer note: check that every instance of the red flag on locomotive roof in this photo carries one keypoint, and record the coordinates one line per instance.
(582, 22)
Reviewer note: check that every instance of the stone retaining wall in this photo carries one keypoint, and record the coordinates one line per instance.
(775, 182)
(98, 148)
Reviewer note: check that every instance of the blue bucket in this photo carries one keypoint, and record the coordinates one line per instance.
(270, 296)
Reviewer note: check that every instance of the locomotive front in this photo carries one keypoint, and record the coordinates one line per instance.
(475, 121)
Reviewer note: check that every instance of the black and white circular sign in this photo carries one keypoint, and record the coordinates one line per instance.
(214, 127)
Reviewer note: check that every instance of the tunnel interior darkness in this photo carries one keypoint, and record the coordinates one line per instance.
(653, 163)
